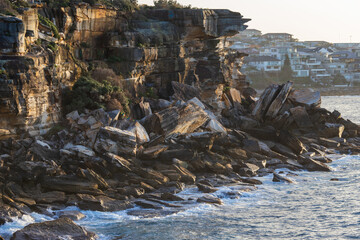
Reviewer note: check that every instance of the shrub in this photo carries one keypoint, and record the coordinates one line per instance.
(45, 21)
(88, 93)
(169, 4)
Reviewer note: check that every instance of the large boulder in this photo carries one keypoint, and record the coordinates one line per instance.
(116, 141)
(59, 229)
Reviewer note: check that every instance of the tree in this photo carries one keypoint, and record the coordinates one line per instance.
(339, 79)
(286, 73)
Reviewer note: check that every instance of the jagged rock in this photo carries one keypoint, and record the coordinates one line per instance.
(80, 150)
(329, 143)
(57, 229)
(170, 197)
(184, 92)
(235, 97)
(7, 213)
(301, 117)
(306, 97)
(177, 120)
(313, 165)
(215, 126)
(116, 141)
(51, 197)
(73, 215)
(148, 204)
(331, 130)
(209, 199)
(182, 154)
(96, 178)
(140, 132)
(101, 203)
(118, 162)
(291, 141)
(69, 185)
(237, 154)
(43, 151)
(153, 152)
(279, 178)
(279, 100)
(264, 101)
(186, 175)
(152, 174)
(205, 188)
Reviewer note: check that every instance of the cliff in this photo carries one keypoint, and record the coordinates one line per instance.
(147, 47)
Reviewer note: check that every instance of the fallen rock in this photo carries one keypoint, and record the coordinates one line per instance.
(73, 215)
(101, 203)
(69, 185)
(279, 178)
(329, 143)
(59, 229)
(171, 197)
(279, 100)
(332, 130)
(148, 204)
(206, 188)
(116, 141)
(306, 97)
(301, 117)
(313, 165)
(209, 199)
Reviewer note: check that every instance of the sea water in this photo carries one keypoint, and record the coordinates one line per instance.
(314, 207)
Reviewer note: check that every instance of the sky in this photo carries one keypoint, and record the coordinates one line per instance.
(308, 20)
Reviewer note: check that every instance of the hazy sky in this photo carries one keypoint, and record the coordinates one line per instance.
(329, 20)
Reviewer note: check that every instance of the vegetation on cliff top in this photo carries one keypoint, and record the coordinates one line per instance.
(169, 4)
(100, 89)
(10, 7)
(126, 5)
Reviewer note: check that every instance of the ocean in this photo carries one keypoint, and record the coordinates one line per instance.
(314, 207)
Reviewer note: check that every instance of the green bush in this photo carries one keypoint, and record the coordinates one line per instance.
(45, 21)
(87, 93)
(169, 4)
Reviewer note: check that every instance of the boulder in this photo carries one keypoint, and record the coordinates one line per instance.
(279, 100)
(206, 188)
(73, 215)
(184, 92)
(170, 197)
(116, 141)
(209, 199)
(51, 197)
(153, 152)
(301, 117)
(215, 126)
(80, 150)
(306, 97)
(118, 162)
(148, 204)
(59, 229)
(186, 175)
(329, 143)
(313, 165)
(140, 132)
(101, 203)
(332, 130)
(264, 101)
(69, 185)
(279, 178)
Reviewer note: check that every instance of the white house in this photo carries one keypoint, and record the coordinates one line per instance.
(263, 63)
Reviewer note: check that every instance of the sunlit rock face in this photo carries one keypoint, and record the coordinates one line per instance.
(152, 47)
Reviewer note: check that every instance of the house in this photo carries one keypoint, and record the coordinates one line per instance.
(281, 37)
(344, 56)
(263, 63)
(249, 33)
(300, 70)
(336, 68)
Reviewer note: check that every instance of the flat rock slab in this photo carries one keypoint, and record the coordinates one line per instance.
(62, 228)
(73, 215)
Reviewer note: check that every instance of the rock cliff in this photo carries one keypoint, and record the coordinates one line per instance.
(147, 47)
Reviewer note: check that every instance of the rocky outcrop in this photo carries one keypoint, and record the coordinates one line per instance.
(148, 47)
(57, 229)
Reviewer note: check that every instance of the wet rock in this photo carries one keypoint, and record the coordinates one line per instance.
(73, 215)
(171, 197)
(206, 188)
(54, 230)
(279, 178)
(186, 175)
(150, 213)
(331, 130)
(51, 197)
(313, 165)
(69, 185)
(7, 213)
(329, 143)
(209, 199)
(148, 204)
(101, 203)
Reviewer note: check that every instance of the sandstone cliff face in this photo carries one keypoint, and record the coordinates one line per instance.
(152, 47)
